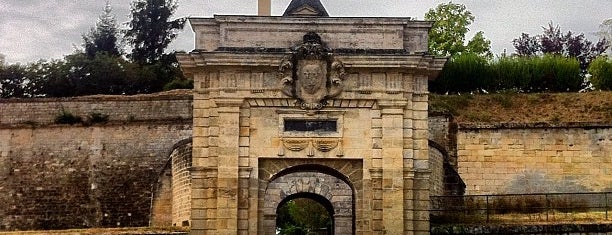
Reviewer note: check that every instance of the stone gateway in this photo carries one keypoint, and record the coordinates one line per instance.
(310, 106)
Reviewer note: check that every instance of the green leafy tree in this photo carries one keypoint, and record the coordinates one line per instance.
(302, 216)
(447, 35)
(479, 45)
(152, 29)
(13, 81)
(103, 38)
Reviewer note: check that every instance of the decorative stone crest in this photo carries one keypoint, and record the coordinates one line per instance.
(311, 74)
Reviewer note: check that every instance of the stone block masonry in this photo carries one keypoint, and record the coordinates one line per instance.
(100, 175)
(533, 159)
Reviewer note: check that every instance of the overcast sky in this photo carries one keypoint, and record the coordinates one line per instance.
(49, 29)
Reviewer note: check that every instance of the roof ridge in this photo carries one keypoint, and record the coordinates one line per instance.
(295, 5)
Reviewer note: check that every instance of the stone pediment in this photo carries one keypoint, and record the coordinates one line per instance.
(306, 11)
(310, 8)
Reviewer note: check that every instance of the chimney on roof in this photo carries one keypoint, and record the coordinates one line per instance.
(264, 8)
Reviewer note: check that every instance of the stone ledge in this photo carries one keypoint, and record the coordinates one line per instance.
(169, 95)
(522, 229)
(536, 125)
(147, 122)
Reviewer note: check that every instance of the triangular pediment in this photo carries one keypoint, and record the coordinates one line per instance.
(312, 8)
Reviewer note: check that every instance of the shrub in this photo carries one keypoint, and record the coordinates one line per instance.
(469, 72)
(97, 117)
(463, 73)
(601, 73)
(65, 117)
(179, 83)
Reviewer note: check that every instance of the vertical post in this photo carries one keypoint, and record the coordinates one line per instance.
(264, 8)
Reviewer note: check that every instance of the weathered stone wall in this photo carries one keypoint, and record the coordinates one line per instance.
(101, 174)
(529, 158)
(181, 184)
(174, 105)
(436, 164)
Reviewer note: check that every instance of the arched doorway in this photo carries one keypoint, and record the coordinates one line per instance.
(324, 185)
(305, 213)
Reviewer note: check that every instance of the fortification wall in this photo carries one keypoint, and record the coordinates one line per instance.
(566, 157)
(56, 176)
(175, 105)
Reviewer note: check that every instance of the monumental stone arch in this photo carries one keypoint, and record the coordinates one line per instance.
(307, 105)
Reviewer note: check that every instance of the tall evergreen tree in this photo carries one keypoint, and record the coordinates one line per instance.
(103, 38)
(151, 29)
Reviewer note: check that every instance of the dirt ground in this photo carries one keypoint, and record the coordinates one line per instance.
(593, 107)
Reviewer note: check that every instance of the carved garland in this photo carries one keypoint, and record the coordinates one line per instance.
(322, 145)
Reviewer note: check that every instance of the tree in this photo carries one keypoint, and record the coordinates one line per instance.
(151, 29)
(12, 81)
(553, 41)
(479, 45)
(302, 216)
(526, 45)
(605, 33)
(103, 38)
(447, 35)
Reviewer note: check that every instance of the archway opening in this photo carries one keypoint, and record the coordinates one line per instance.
(305, 214)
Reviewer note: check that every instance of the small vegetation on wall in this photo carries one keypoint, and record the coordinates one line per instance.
(96, 117)
(66, 117)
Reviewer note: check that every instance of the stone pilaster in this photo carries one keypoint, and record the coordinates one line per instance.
(421, 155)
(228, 142)
(393, 168)
(203, 200)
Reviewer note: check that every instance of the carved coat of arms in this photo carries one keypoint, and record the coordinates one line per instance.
(311, 74)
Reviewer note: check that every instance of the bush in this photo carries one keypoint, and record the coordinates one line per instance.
(463, 73)
(98, 117)
(601, 73)
(469, 72)
(65, 117)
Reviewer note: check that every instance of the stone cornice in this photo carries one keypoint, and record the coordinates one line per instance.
(195, 21)
(537, 125)
(202, 59)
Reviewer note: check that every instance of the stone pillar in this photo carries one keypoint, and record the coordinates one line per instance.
(203, 200)
(421, 156)
(269, 224)
(392, 163)
(228, 174)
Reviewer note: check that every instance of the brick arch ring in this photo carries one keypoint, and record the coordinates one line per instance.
(327, 186)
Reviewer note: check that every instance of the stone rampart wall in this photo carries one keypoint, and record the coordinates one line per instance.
(543, 158)
(174, 105)
(55, 176)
